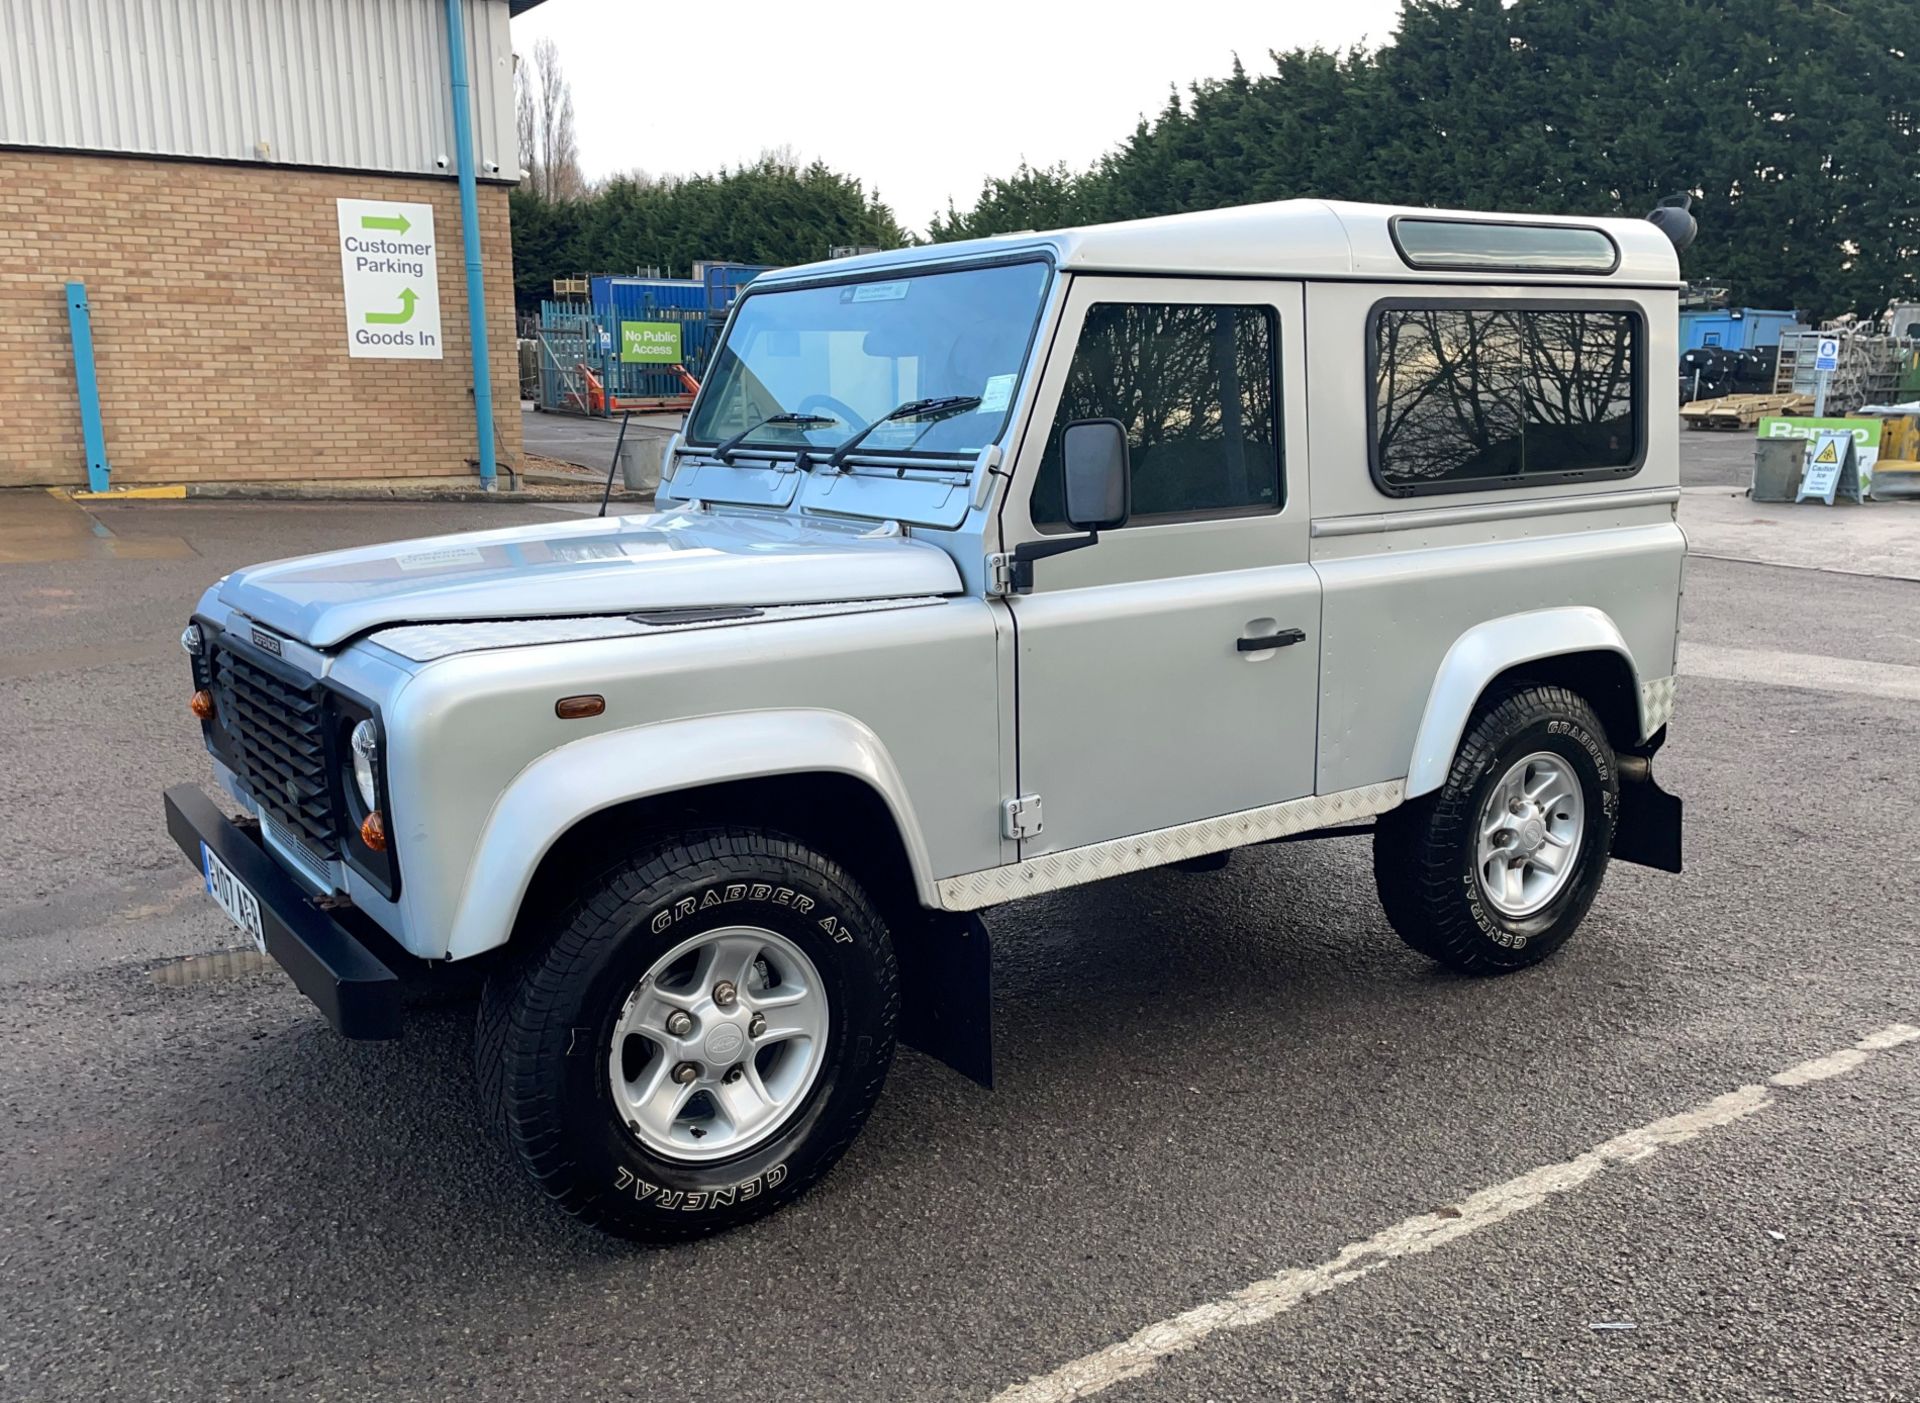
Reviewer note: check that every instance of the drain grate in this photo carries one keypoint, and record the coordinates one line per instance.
(210, 968)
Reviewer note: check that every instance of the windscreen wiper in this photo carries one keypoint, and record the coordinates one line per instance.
(939, 407)
(810, 421)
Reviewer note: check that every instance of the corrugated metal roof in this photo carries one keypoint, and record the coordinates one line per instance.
(356, 84)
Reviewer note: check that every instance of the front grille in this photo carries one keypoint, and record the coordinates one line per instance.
(274, 731)
(299, 853)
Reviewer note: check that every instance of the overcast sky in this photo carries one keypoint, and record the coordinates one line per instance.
(920, 101)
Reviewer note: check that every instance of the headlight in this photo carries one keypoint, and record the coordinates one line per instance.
(191, 640)
(365, 744)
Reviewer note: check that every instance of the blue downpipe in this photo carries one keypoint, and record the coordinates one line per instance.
(470, 238)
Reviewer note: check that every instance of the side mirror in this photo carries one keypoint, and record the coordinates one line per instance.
(1095, 474)
(1098, 486)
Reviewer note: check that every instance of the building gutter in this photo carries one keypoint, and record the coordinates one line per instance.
(470, 239)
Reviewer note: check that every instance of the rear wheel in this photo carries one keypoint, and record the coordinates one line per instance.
(699, 1040)
(1496, 869)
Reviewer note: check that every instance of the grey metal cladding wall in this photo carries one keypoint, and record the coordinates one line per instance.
(357, 84)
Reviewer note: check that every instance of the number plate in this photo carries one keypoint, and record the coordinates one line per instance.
(230, 894)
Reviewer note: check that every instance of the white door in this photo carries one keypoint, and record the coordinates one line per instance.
(1169, 673)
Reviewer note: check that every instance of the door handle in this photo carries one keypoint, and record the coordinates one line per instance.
(1285, 638)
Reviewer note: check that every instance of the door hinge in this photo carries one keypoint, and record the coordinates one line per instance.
(999, 575)
(1020, 818)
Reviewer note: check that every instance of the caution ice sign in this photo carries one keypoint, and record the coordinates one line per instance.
(391, 275)
(1832, 469)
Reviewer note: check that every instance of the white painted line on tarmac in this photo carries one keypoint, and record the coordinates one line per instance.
(1839, 1063)
(1894, 681)
(1276, 1295)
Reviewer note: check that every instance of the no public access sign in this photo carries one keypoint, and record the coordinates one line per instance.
(390, 272)
(650, 343)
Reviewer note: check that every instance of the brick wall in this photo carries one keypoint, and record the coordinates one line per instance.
(219, 329)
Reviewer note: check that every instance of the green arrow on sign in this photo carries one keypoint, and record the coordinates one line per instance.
(404, 315)
(396, 222)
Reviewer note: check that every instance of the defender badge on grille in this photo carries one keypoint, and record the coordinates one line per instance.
(292, 790)
(266, 640)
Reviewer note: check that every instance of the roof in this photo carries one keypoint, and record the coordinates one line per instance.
(520, 7)
(1285, 239)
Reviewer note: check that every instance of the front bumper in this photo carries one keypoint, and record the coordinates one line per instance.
(329, 962)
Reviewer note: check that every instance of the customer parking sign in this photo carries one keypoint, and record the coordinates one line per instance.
(390, 273)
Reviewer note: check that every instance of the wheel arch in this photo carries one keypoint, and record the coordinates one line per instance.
(819, 775)
(1579, 648)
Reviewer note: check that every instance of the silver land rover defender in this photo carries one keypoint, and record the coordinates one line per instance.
(980, 570)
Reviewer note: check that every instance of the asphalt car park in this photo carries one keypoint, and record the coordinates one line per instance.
(1245, 1144)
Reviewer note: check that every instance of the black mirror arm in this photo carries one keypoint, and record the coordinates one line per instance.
(1025, 553)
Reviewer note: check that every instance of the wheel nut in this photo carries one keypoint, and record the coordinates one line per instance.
(724, 994)
(756, 1025)
(734, 1073)
(1504, 838)
(679, 1023)
(1518, 806)
(686, 1073)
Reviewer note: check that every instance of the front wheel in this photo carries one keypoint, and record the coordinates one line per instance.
(701, 1038)
(1496, 869)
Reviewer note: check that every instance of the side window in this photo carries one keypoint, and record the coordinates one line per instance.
(1468, 398)
(1195, 386)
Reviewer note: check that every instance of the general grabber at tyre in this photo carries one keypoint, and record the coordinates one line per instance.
(698, 1040)
(1495, 870)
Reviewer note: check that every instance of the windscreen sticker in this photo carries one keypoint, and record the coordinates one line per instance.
(900, 435)
(998, 392)
(875, 292)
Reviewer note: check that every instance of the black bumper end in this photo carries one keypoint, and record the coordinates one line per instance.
(329, 963)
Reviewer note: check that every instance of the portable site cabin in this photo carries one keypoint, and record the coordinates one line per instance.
(1736, 328)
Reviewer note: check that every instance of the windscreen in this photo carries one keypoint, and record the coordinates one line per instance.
(846, 355)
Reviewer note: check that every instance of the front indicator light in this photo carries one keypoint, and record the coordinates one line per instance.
(202, 704)
(373, 832)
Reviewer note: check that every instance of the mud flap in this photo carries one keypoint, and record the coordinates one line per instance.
(946, 992)
(1648, 831)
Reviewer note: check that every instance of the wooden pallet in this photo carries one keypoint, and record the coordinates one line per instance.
(1734, 412)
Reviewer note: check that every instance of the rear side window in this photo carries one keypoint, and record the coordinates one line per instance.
(1483, 245)
(1467, 398)
(1194, 385)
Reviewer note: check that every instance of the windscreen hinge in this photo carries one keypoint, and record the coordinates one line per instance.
(1020, 818)
(999, 575)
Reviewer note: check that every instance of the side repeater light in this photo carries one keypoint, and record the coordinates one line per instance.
(581, 707)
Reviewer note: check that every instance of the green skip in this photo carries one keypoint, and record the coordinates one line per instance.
(396, 222)
(404, 315)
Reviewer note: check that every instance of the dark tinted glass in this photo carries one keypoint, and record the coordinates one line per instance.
(1194, 388)
(1487, 397)
(1542, 248)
